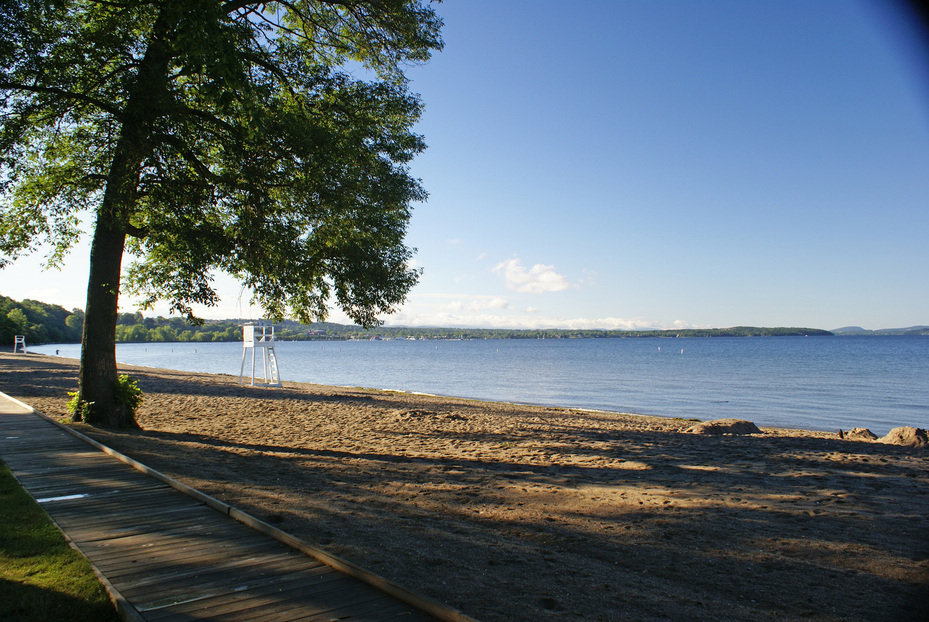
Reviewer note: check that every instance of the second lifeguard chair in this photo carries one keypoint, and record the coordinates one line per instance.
(256, 338)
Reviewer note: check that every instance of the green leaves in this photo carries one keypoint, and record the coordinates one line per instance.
(381, 34)
(226, 138)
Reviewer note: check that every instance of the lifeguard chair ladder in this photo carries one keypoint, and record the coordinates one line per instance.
(256, 338)
(19, 342)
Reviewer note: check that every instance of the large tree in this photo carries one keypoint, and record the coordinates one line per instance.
(212, 135)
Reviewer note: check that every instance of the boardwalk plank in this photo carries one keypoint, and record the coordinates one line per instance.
(134, 562)
(98, 525)
(155, 513)
(242, 596)
(46, 485)
(101, 482)
(223, 540)
(77, 500)
(86, 469)
(298, 597)
(380, 606)
(374, 611)
(223, 543)
(371, 611)
(231, 566)
(100, 488)
(268, 578)
(337, 605)
(115, 513)
(153, 540)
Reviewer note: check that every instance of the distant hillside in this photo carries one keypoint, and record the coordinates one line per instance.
(847, 331)
(43, 323)
(136, 328)
(38, 322)
(850, 330)
(399, 332)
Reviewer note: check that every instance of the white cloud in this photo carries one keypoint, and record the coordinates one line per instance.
(537, 280)
(453, 310)
(606, 323)
(479, 311)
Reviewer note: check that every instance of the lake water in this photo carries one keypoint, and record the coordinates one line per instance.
(821, 383)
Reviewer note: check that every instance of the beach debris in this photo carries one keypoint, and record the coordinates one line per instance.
(724, 426)
(908, 436)
(859, 434)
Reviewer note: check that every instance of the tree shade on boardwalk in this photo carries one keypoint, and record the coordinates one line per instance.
(167, 556)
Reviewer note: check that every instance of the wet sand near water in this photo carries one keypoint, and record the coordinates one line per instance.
(511, 512)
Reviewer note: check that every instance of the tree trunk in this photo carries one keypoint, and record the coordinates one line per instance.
(147, 97)
(98, 342)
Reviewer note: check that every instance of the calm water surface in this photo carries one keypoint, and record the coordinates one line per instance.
(815, 383)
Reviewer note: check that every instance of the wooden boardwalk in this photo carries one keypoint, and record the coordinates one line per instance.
(167, 556)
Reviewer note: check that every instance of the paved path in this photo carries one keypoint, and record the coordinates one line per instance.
(165, 555)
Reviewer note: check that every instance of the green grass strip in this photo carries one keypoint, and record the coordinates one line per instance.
(41, 577)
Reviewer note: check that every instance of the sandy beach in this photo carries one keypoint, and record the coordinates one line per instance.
(513, 512)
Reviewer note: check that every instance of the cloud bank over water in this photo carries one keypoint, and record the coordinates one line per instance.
(538, 279)
(479, 311)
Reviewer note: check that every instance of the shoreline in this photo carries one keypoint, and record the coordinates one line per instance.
(801, 386)
(613, 516)
(815, 430)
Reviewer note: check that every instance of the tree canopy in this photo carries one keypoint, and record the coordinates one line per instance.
(253, 155)
(206, 135)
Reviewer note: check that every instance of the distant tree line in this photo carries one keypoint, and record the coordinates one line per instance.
(135, 328)
(38, 322)
(45, 323)
(354, 332)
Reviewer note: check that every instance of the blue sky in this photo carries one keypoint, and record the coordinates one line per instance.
(655, 164)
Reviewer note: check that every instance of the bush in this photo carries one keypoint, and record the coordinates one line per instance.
(79, 409)
(128, 394)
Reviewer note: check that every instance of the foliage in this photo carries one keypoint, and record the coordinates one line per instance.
(128, 394)
(237, 144)
(41, 577)
(78, 408)
(39, 322)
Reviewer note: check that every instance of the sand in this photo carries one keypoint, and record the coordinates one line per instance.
(511, 512)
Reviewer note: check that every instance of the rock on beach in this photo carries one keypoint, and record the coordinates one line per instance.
(908, 436)
(724, 426)
(860, 434)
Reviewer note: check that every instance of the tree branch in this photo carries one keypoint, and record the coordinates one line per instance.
(181, 147)
(237, 5)
(205, 116)
(136, 232)
(102, 105)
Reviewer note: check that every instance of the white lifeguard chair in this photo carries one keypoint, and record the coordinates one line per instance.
(256, 338)
(19, 343)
